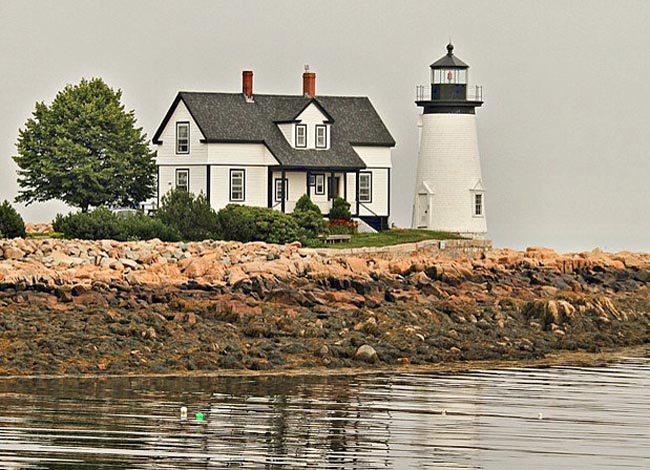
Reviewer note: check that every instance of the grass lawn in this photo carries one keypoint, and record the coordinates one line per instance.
(393, 237)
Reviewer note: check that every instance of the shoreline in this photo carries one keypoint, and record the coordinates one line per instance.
(71, 308)
(556, 359)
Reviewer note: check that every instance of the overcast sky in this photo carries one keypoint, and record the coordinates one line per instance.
(563, 134)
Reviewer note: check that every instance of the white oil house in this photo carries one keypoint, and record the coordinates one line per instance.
(449, 192)
(269, 150)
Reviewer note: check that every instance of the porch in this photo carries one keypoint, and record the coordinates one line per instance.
(286, 187)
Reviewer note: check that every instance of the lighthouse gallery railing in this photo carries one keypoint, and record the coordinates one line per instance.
(423, 93)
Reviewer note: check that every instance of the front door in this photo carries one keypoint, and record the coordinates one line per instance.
(423, 209)
(333, 187)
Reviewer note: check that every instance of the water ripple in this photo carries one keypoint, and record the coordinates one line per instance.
(558, 417)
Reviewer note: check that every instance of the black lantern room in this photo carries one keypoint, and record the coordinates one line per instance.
(449, 92)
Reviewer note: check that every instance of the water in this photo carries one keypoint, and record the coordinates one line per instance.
(590, 418)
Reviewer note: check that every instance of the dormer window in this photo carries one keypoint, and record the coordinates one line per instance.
(301, 135)
(182, 137)
(321, 137)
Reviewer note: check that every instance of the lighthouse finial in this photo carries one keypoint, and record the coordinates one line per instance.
(450, 47)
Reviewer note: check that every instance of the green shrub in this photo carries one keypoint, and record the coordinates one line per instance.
(340, 210)
(141, 227)
(191, 216)
(11, 223)
(237, 223)
(246, 224)
(305, 204)
(311, 222)
(102, 224)
(308, 216)
(99, 224)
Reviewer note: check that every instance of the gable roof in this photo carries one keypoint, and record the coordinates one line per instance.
(328, 118)
(228, 117)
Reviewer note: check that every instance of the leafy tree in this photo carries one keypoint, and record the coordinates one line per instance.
(191, 216)
(85, 150)
(11, 223)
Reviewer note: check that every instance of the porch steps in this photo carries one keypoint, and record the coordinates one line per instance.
(363, 226)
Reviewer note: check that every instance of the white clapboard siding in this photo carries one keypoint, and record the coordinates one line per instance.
(197, 180)
(288, 131)
(255, 187)
(166, 152)
(311, 116)
(379, 203)
(375, 157)
(240, 154)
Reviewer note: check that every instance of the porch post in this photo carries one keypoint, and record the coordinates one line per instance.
(269, 192)
(356, 190)
(308, 187)
(284, 189)
(345, 185)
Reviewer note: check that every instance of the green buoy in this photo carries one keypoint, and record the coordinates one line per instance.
(199, 416)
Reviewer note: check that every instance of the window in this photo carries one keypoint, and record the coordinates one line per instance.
(301, 135)
(321, 137)
(182, 137)
(478, 205)
(319, 186)
(365, 187)
(183, 180)
(281, 190)
(237, 185)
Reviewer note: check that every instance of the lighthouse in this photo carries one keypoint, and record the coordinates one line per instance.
(449, 192)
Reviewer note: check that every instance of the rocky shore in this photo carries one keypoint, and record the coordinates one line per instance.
(105, 307)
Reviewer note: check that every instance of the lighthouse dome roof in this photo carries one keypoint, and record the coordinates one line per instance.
(449, 60)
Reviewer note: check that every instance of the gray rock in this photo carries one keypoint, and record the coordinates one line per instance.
(366, 353)
(129, 263)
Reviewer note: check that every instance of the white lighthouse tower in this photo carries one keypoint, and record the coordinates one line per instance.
(449, 192)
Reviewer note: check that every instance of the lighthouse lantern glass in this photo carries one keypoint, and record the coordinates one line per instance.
(453, 76)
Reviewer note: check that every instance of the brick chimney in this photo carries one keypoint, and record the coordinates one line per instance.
(308, 82)
(247, 84)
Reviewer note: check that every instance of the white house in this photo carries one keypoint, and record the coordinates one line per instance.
(269, 150)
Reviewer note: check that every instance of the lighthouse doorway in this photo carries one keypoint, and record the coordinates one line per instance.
(423, 210)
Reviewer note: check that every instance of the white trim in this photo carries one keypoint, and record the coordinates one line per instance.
(186, 140)
(301, 140)
(179, 172)
(368, 177)
(237, 173)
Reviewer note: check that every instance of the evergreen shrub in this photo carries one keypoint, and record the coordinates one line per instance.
(189, 215)
(340, 210)
(308, 216)
(101, 224)
(246, 224)
(11, 223)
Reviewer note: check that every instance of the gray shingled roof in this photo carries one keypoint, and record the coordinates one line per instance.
(228, 117)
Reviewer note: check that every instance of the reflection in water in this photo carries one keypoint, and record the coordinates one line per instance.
(592, 418)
